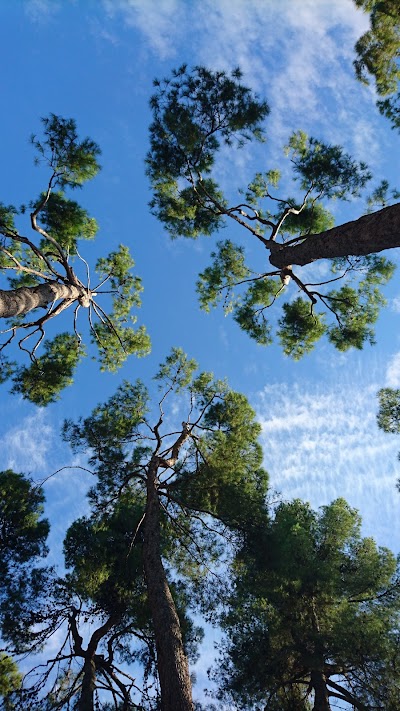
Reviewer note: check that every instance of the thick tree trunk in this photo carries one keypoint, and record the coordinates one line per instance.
(173, 669)
(86, 700)
(321, 700)
(367, 235)
(22, 300)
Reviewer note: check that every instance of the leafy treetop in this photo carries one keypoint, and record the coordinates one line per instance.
(42, 273)
(194, 113)
(314, 609)
(378, 53)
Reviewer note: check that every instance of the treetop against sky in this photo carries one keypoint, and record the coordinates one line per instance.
(95, 63)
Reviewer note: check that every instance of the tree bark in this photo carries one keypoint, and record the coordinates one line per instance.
(172, 664)
(367, 235)
(20, 301)
(86, 699)
(321, 699)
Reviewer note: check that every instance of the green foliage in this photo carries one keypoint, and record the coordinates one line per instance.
(313, 219)
(326, 169)
(219, 469)
(49, 256)
(10, 678)
(380, 196)
(389, 410)
(42, 381)
(23, 531)
(112, 424)
(106, 561)
(176, 371)
(66, 221)
(187, 212)
(378, 52)
(115, 344)
(299, 328)
(311, 595)
(73, 161)
(193, 113)
(7, 213)
(250, 314)
(22, 543)
(7, 368)
(357, 309)
(114, 335)
(227, 269)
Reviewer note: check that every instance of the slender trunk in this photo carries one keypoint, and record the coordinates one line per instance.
(86, 700)
(367, 235)
(20, 301)
(321, 700)
(173, 669)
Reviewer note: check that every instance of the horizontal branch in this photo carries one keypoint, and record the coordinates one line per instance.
(367, 235)
(15, 302)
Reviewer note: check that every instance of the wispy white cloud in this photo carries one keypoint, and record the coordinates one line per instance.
(159, 22)
(25, 447)
(299, 55)
(41, 11)
(323, 442)
(393, 372)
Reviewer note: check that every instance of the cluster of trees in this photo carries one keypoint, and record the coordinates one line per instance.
(180, 520)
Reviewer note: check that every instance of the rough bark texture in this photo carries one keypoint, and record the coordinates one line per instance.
(22, 300)
(173, 669)
(367, 235)
(86, 700)
(321, 699)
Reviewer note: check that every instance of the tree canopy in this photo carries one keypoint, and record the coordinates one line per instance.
(171, 497)
(45, 270)
(179, 514)
(313, 616)
(378, 53)
(196, 111)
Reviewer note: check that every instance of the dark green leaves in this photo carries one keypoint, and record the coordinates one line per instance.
(193, 113)
(66, 221)
(299, 328)
(378, 53)
(113, 423)
(23, 531)
(326, 169)
(227, 270)
(73, 161)
(42, 382)
(389, 410)
(310, 596)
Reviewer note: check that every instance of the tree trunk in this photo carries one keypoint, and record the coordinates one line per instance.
(367, 235)
(173, 668)
(321, 700)
(20, 301)
(86, 700)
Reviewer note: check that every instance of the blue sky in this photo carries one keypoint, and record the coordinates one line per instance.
(94, 60)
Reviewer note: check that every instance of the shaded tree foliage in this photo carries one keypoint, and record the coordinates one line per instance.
(389, 413)
(45, 271)
(23, 534)
(313, 616)
(378, 55)
(99, 608)
(194, 114)
(196, 485)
